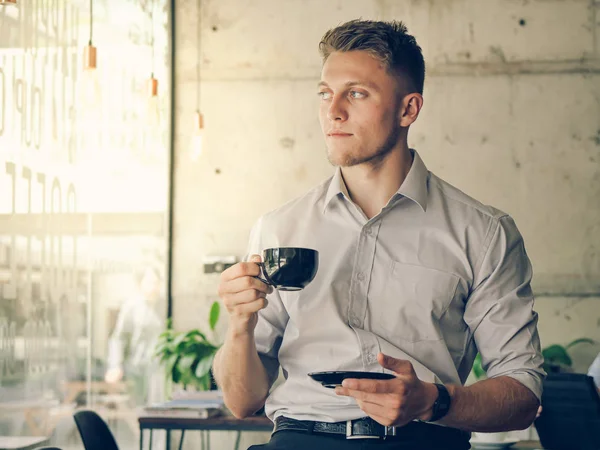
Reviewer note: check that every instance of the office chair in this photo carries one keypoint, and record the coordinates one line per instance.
(94, 431)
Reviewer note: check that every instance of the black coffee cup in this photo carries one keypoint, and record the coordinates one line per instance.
(289, 268)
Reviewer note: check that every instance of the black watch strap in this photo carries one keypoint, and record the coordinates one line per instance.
(442, 404)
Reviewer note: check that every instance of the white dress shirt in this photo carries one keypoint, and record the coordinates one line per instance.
(433, 278)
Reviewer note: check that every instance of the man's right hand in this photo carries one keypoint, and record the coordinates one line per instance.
(243, 295)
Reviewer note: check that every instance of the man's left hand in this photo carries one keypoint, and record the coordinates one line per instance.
(394, 402)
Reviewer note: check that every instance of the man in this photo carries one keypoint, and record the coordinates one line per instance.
(132, 342)
(414, 278)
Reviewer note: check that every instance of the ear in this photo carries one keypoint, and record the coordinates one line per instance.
(410, 107)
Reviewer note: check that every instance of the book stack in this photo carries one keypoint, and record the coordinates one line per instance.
(198, 405)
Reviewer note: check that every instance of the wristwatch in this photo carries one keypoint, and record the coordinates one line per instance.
(442, 404)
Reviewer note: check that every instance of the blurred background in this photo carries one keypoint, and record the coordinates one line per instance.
(128, 181)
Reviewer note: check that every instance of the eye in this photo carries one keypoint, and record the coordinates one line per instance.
(324, 95)
(356, 94)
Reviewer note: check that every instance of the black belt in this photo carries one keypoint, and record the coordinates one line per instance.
(367, 428)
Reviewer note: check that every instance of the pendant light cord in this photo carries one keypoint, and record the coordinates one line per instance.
(91, 20)
(152, 38)
(199, 53)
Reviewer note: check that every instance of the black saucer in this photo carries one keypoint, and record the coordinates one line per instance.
(335, 378)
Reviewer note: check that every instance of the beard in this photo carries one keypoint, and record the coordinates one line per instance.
(368, 157)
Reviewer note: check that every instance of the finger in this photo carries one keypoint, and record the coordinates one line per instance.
(255, 258)
(242, 298)
(370, 386)
(359, 395)
(243, 284)
(391, 401)
(398, 366)
(241, 269)
(245, 309)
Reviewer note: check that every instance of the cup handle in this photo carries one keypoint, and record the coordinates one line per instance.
(263, 272)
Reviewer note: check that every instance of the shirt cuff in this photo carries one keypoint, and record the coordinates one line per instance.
(532, 381)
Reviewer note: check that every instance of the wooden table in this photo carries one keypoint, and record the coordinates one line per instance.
(35, 411)
(219, 423)
(21, 442)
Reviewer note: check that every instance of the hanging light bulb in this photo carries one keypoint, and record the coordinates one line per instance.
(8, 2)
(196, 142)
(152, 100)
(88, 88)
(152, 103)
(89, 85)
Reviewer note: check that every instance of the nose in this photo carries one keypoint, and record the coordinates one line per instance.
(337, 110)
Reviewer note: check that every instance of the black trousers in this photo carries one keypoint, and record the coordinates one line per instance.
(293, 440)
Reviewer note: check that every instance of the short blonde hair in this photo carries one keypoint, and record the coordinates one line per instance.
(389, 42)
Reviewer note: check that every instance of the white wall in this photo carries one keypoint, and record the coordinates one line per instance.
(512, 117)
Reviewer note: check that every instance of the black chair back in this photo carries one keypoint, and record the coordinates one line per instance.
(47, 448)
(570, 418)
(94, 431)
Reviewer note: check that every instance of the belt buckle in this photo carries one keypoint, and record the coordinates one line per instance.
(349, 434)
(389, 431)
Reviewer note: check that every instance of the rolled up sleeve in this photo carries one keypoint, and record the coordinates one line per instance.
(272, 320)
(499, 310)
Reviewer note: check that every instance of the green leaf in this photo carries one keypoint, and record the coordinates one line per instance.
(179, 340)
(195, 335)
(202, 349)
(185, 363)
(163, 343)
(580, 341)
(204, 382)
(215, 311)
(164, 355)
(175, 373)
(557, 355)
(171, 362)
(478, 368)
(204, 366)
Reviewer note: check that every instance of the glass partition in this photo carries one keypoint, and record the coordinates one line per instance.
(84, 166)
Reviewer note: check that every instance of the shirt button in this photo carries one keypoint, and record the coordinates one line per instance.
(360, 276)
(355, 321)
(369, 231)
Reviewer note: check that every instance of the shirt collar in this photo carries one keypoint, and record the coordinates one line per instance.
(414, 186)
(336, 187)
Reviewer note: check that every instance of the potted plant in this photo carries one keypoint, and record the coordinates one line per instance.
(556, 358)
(188, 355)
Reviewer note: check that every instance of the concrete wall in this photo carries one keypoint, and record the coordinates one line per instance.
(511, 116)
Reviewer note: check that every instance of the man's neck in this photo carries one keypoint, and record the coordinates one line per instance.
(371, 186)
